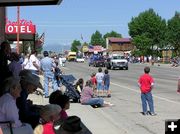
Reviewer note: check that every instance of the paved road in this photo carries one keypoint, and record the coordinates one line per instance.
(125, 116)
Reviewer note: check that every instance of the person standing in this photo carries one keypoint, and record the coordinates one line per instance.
(99, 78)
(25, 64)
(94, 82)
(4, 57)
(47, 66)
(34, 64)
(15, 66)
(146, 84)
(106, 80)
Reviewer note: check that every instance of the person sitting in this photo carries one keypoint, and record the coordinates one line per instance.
(61, 100)
(9, 110)
(28, 112)
(53, 96)
(79, 85)
(88, 98)
(49, 114)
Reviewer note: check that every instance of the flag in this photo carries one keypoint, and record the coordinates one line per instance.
(40, 41)
(42, 37)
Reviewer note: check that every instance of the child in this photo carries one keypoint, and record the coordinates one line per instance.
(99, 78)
(58, 98)
(146, 83)
(49, 114)
(94, 82)
(57, 74)
(79, 85)
(106, 80)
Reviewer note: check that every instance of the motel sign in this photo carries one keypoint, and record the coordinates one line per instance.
(25, 27)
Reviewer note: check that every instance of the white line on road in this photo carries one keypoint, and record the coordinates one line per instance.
(158, 97)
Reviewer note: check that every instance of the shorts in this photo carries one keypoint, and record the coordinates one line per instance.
(99, 86)
(106, 87)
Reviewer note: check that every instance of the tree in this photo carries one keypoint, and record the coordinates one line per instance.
(97, 39)
(112, 34)
(173, 34)
(74, 45)
(148, 32)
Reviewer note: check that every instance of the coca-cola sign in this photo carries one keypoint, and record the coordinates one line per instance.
(25, 27)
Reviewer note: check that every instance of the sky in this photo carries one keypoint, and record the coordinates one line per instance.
(72, 18)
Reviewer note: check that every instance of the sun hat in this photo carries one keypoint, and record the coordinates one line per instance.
(26, 75)
(71, 125)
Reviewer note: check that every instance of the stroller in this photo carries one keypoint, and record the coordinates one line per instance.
(67, 81)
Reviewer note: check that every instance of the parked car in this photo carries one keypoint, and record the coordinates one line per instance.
(79, 59)
(116, 61)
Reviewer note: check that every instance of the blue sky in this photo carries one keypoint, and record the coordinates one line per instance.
(66, 22)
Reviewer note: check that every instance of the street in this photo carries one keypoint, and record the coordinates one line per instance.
(125, 115)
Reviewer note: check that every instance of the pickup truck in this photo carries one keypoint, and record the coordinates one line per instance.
(116, 61)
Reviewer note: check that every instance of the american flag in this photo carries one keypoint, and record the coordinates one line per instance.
(42, 37)
(40, 41)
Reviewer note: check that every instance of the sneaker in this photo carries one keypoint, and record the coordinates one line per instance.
(109, 95)
(111, 104)
(144, 113)
(152, 114)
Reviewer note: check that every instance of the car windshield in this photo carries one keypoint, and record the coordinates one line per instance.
(117, 57)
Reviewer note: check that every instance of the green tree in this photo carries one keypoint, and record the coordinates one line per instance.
(148, 32)
(173, 34)
(97, 39)
(112, 34)
(74, 45)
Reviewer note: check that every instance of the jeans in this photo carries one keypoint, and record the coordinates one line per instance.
(95, 101)
(49, 76)
(147, 98)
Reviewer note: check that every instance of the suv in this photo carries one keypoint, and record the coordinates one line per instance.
(97, 61)
(117, 61)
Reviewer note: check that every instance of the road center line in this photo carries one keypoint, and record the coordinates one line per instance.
(158, 97)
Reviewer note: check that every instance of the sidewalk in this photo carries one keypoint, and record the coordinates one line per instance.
(93, 118)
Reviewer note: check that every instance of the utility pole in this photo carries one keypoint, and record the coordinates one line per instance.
(18, 31)
(2, 23)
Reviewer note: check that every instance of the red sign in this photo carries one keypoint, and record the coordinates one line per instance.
(25, 27)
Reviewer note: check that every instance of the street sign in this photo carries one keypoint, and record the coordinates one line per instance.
(28, 2)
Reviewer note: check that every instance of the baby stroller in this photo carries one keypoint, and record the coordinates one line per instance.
(67, 81)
